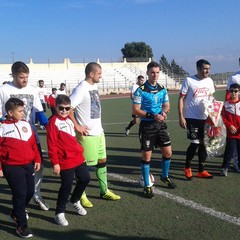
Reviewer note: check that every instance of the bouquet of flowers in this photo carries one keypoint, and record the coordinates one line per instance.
(214, 129)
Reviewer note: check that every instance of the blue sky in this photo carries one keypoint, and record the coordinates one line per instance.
(84, 30)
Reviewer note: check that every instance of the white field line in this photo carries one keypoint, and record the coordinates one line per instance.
(120, 123)
(185, 202)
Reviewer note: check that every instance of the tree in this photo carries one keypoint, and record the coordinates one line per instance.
(173, 69)
(137, 51)
(177, 71)
(165, 66)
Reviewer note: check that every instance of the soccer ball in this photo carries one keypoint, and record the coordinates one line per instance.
(151, 180)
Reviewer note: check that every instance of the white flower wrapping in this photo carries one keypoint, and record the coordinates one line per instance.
(214, 129)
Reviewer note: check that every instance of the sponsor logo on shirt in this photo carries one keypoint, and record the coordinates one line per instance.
(201, 92)
(8, 133)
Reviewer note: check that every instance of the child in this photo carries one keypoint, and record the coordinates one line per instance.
(66, 155)
(19, 158)
(231, 119)
(51, 101)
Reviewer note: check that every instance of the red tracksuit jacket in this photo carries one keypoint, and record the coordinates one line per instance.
(17, 143)
(63, 148)
(231, 116)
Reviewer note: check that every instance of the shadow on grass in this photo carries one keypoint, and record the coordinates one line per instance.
(8, 231)
(83, 234)
(7, 227)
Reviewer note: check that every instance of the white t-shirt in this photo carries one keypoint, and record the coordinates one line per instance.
(196, 91)
(87, 107)
(61, 92)
(42, 92)
(134, 88)
(28, 94)
(235, 78)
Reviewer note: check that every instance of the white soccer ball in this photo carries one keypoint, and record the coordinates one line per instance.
(151, 180)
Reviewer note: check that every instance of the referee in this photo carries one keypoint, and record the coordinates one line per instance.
(151, 103)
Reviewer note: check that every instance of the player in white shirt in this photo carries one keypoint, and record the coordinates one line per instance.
(192, 115)
(134, 87)
(235, 78)
(20, 89)
(87, 121)
(43, 94)
(62, 89)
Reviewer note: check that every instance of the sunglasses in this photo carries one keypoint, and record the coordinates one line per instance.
(61, 108)
(233, 91)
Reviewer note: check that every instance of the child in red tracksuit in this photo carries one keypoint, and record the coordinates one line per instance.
(51, 101)
(66, 156)
(19, 158)
(231, 119)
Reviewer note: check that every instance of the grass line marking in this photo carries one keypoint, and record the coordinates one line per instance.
(120, 123)
(185, 202)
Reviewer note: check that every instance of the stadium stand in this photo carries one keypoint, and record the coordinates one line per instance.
(117, 77)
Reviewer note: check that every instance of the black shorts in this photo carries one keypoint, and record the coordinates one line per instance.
(153, 134)
(135, 116)
(195, 129)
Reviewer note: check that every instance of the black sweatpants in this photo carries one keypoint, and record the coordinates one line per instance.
(82, 179)
(229, 150)
(21, 182)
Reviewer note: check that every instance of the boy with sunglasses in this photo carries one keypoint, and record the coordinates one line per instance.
(231, 119)
(235, 78)
(66, 156)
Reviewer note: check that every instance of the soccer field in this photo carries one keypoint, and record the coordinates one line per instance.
(197, 209)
